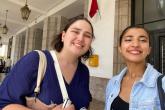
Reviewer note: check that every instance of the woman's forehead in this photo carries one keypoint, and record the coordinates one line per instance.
(136, 31)
(81, 24)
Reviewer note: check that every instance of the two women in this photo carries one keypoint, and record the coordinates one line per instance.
(135, 88)
(71, 46)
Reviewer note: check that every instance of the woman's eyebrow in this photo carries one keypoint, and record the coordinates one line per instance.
(130, 36)
(143, 36)
(74, 28)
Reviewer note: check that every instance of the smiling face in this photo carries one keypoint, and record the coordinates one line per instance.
(134, 45)
(77, 39)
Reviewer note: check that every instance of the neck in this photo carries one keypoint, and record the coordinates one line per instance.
(64, 57)
(135, 70)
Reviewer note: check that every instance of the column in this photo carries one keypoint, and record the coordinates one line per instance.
(122, 20)
(52, 26)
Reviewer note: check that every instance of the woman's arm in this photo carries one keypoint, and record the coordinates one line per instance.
(15, 107)
(59, 107)
(20, 81)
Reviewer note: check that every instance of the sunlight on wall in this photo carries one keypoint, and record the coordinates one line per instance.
(2, 51)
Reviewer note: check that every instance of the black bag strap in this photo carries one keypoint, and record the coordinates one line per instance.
(161, 92)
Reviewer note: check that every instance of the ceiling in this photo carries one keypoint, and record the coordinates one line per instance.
(39, 9)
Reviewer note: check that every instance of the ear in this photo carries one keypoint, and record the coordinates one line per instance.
(63, 35)
(119, 49)
(149, 50)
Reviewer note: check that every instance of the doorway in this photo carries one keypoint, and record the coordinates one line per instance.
(157, 56)
(153, 19)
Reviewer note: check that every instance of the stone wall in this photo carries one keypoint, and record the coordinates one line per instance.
(16, 51)
(97, 88)
(122, 20)
(37, 39)
(52, 26)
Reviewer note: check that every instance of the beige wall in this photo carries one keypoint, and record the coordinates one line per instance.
(122, 20)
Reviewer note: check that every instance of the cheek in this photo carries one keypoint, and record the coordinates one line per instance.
(123, 48)
(147, 50)
(88, 41)
(122, 52)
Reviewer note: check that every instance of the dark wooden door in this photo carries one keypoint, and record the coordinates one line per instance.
(157, 56)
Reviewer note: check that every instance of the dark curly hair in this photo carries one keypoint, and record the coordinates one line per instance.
(58, 44)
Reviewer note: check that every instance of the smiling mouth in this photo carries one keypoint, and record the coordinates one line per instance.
(135, 52)
(78, 45)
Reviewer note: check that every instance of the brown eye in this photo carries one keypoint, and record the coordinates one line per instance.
(143, 40)
(76, 32)
(127, 39)
(88, 36)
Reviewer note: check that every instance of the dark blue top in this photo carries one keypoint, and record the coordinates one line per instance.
(21, 82)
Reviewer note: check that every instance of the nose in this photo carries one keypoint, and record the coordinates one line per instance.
(135, 43)
(81, 37)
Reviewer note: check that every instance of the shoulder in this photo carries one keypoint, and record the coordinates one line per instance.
(27, 65)
(150, 69)
(112, 81)
(163, 83)
(82, 67)
(150, 76)
(32, 56)
(117, 78)
(112, 84)
(27, 61)
(82, 70)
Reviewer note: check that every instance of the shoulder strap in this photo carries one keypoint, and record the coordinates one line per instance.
(161, 92)
(41, 70)
(59, 76)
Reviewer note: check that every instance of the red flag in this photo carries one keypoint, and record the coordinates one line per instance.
(94, 8)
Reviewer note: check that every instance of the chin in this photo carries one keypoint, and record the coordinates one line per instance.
(76, 53)
(136, 61)
(79, 52)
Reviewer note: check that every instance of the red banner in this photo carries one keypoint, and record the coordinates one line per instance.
(94, 8)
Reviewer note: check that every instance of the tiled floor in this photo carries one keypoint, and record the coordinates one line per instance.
(96, 105)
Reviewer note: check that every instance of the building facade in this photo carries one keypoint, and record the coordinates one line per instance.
(115, 15)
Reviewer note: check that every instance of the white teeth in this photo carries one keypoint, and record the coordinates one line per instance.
(79, 45)
(135, 52)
